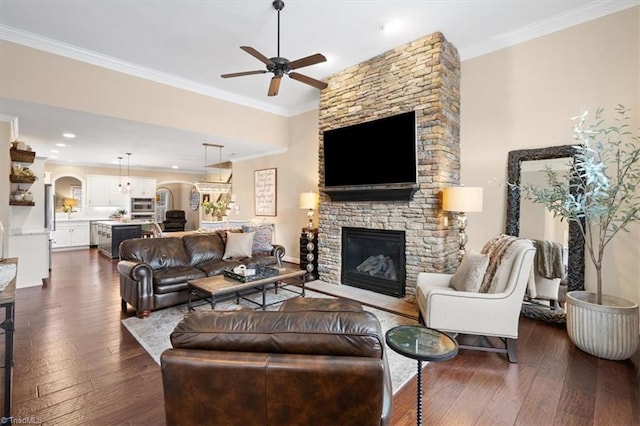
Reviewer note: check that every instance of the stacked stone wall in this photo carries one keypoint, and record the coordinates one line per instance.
(421, 76)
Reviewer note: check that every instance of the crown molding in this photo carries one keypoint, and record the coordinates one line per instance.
(547, 26)
(73, 52)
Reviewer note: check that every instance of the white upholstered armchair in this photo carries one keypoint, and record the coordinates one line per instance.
(483, 297)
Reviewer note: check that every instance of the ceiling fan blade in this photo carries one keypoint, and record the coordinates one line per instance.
(274, 86)
(259, 56)
(308, 80)
(240, 74)
(309, 60)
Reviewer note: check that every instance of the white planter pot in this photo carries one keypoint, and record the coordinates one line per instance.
(607, 331)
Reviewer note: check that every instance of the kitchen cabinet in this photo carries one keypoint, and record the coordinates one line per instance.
(143, 187)
(21, 178)
(71, 234)
(33, 247)
(111, 234)
(102, 191)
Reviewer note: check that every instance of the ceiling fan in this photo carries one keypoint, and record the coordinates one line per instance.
(280, 66)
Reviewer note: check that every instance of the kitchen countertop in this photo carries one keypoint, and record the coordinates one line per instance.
(119, 223)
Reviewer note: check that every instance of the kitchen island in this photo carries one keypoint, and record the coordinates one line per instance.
(112, 232)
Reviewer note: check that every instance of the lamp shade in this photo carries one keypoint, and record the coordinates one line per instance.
(308, 200)
(462, 199)
(72, 202)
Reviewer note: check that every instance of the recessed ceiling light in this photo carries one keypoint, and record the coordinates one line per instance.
(61, 144)
(390, 27)
(68, 135)
(55, 150)
(53, 157)
(174, 167)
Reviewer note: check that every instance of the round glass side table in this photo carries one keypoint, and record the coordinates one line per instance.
(422, 344)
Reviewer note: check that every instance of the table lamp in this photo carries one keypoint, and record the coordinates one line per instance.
(309, 201)
(462, 199)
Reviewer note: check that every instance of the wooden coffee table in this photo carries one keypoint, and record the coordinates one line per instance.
(213, 289)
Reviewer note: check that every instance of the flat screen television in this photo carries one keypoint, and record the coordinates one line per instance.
(378, 152)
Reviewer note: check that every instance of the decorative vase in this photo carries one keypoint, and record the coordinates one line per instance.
(608, 331)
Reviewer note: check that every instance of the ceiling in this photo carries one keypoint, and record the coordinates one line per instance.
(189, 44)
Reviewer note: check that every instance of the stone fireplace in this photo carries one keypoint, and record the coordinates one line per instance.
(421, 76)
(374, 259)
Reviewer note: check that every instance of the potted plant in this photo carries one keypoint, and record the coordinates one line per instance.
(601, 194)
(217, 209)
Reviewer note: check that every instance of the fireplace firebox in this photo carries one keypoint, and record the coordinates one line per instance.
(374, 259)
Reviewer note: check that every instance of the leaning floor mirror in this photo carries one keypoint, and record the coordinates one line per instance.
(528, 220)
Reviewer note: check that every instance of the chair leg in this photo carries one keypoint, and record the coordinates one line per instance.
(512, 353)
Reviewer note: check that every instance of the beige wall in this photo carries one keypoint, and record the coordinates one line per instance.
(524, 96)
(35, 76)
(297, 171)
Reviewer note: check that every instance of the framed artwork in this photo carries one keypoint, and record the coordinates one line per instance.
(265, 190)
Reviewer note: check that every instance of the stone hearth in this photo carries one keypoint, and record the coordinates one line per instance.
(421, 76)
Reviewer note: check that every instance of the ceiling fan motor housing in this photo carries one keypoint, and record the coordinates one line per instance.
(279, 64)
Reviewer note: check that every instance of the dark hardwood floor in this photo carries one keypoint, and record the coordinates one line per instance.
(75, 364)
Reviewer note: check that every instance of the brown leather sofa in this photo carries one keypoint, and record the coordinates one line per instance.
(303, 366)
(154, 271)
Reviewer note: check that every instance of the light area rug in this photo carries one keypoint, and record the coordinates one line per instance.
(153, 332)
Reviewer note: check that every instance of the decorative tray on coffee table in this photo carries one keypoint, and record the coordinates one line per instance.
(261, 272)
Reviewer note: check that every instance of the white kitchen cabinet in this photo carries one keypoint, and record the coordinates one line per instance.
(143, 187)
(71, 234)
(102, 191)
(32, 251)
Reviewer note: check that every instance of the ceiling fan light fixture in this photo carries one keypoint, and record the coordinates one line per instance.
(280, 66)
(128, 187)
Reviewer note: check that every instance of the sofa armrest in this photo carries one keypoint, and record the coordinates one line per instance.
(136, 285)
(137, 271)
(434, 279)
(278, 251)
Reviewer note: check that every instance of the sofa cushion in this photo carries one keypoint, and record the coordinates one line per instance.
(159, 253)
(263, 237)
(177, 275)
(314, 333)
(203, 247)
(238, 245)
(259, 259)
(217, 267)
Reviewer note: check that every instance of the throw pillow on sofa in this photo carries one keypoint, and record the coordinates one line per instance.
(470, 273)
(239, 244)
(263, 237)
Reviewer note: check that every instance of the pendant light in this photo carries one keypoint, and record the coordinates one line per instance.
(128, 187)
(120, 174)
(219, 187)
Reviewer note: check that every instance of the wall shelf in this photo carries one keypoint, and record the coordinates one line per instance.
(17, 179)
(22, 156)
(22, 203)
